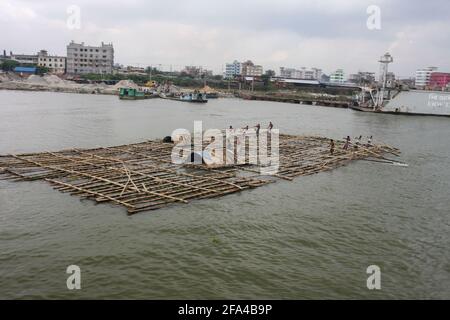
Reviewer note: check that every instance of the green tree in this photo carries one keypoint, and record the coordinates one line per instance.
(266, 78)
(9, 65)
(42, 70)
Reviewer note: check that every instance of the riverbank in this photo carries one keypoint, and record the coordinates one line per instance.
(323, 100)
(54, 83)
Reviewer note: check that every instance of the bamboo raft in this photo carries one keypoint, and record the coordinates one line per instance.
(142, 177)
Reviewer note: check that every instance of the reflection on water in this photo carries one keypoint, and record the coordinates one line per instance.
(311, 238)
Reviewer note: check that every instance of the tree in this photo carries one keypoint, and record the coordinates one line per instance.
(42, 70)
(9, 65)
(270, 73)
(266, 77)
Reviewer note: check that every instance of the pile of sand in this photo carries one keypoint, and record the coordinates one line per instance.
(36, 80)
(54, 80)
(125, 84)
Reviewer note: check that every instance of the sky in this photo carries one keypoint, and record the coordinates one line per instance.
(327, 34)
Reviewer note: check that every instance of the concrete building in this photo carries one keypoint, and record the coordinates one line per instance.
(25, 58)
(439, 80)
(290, 73)
(233, 69)
(82, 59)
(423, 76)
(197, 71)
(362, 78)
(302, 73)
(56, 64)
(338, 76)
(249, 69)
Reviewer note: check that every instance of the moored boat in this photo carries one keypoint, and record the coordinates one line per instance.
(196, 97)
(210, 92)
(185, 97)
(391, 100)
(135, 94)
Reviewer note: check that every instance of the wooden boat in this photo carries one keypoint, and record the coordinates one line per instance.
(135, 94)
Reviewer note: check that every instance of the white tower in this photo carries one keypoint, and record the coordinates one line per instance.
(384, 63)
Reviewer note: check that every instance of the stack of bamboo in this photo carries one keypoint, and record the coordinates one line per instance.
(142, 176)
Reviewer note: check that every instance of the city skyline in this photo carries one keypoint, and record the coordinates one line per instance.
(293, 34)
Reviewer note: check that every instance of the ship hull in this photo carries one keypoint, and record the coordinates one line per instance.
(419, 102)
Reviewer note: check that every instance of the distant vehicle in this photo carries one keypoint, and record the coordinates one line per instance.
(151, 84)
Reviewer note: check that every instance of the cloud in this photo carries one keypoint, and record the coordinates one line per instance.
(329, 34)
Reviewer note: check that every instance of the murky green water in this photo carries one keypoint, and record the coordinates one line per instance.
(311, 238)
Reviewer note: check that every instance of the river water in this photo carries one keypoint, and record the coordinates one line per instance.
(310, 238)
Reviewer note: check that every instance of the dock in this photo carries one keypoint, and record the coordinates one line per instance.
(141, 176)
(297, 100)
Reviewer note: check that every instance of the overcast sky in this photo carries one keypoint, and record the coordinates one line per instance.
(328, 34)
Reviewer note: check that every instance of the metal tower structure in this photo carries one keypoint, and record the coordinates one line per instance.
(384, 64)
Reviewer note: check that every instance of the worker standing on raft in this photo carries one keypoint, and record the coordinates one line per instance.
(347, 143)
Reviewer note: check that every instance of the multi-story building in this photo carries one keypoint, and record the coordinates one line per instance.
(56, 64)
(82, 59)
(423, 76)
(25, 58)
(439, 80)
(233, 69)
(196, 71)
(290, 73)
(303, 73)
(362, 78)
(338, 76)
(249, 69)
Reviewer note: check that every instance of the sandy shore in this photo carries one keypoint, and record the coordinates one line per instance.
(55, 84)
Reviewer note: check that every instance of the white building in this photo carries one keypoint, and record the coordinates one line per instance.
(338, 76)
(89, 59)
(303, 73)
(423, 76)
(233, 69)
(249, 69)
(56, 64)
(24, 58)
